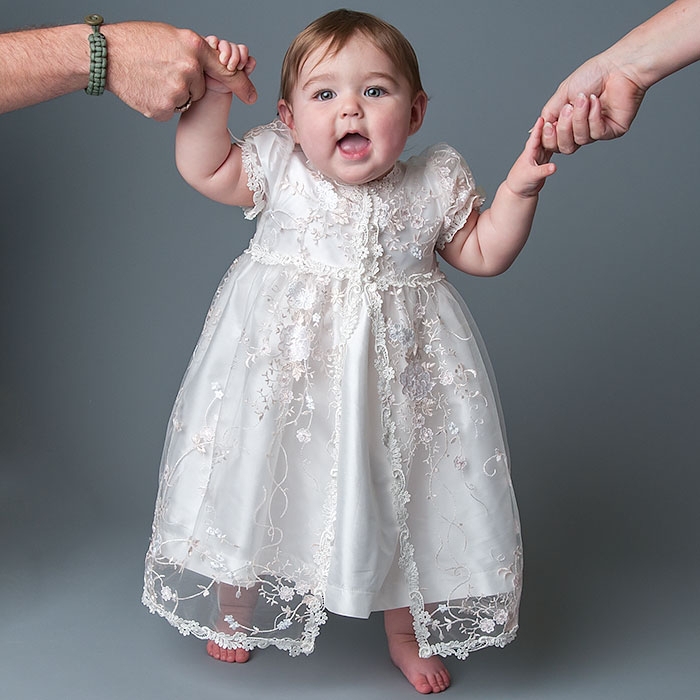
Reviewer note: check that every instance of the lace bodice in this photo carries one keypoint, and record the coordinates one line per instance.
(319, 225)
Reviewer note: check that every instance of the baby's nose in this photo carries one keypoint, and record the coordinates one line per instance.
(351, 108)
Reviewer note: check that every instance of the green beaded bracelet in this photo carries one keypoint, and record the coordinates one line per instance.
(98, 56)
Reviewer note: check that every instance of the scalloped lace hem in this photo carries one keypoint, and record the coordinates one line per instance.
(306, 646)
(241, 641)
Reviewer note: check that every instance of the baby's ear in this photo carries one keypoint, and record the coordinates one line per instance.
(420, 104)
(284, 110)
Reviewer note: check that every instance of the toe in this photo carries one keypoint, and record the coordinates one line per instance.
(423, 685)
(241, 655)
(439, 681)
(221, 654)
(230, 656)
(213, 650)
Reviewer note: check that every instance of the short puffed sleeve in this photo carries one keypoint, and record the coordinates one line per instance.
(456, 192)
(265, 153)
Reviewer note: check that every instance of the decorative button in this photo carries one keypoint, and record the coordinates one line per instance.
(94, 20)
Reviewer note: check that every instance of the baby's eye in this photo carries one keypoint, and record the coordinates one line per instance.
(375, 91)
(324, 95)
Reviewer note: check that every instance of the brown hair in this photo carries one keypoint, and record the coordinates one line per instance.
(337, 28)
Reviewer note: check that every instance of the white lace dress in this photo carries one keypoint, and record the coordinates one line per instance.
(336, 444)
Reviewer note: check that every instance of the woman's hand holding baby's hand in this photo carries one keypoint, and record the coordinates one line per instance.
(529, 172)
(234, 57)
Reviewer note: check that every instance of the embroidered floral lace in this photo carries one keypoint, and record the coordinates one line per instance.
(336, 444)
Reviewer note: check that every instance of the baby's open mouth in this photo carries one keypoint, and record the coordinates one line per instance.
(353, 144)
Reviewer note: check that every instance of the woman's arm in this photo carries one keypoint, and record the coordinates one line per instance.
(619, 77)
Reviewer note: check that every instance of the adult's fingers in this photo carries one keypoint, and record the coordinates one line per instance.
(565, 132)
(238, 82)
(241, 86)
(579, 122)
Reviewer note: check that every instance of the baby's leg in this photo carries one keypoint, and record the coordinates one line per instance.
(239, 604)
(425, 675)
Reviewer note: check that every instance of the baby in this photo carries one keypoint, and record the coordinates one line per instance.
(337, 444)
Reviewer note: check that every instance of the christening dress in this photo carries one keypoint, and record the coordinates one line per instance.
(337, 444)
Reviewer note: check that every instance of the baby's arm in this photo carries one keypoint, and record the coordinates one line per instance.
(490, 241)
(205, 156)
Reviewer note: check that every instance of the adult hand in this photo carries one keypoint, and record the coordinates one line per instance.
(234, 57)
(598, 101)
(155, 68)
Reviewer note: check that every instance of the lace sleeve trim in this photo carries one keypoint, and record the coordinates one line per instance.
(265, 150)
(460, 218)
(457, 189)
(256, 177)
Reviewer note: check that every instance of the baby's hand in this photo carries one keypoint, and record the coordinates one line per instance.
(234, 57)
(526, 177)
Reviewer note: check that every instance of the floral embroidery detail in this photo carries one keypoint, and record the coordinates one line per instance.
(301, 296)
(500, 617)
(490, 469)
(426, 435)
(286, 593)
(446, 378)
(327, 195)
(203, 438)
(216, 532)
(416, 381)
(401, 335)
(231, 621)
(296, 342)
(487, 625)
(460, 463)
(303, 435)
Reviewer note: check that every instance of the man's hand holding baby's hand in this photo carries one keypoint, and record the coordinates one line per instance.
(234, 57)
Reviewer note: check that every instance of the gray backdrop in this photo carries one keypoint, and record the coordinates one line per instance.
(108, 263)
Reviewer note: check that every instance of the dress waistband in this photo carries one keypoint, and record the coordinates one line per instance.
(369, 273)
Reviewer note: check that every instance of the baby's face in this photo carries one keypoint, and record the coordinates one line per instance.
(351, 112)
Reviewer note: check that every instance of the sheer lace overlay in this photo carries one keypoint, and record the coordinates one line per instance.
(336, 444)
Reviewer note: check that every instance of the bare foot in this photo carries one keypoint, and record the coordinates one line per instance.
(231, 656)
(236, 605)
(425, 675)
